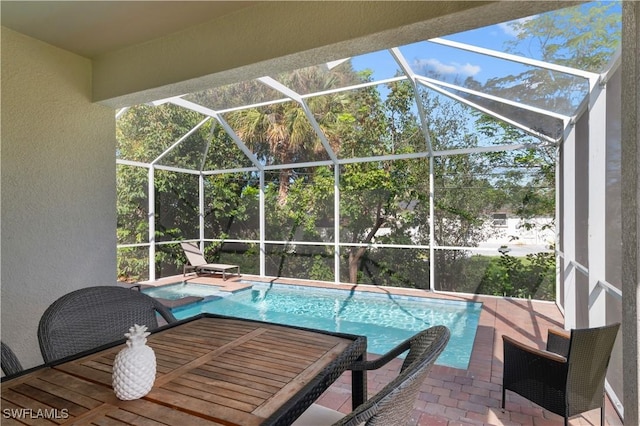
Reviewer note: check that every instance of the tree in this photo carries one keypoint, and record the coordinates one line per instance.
(582, 37)
(375, 195)
(281, 133)
(143, 134)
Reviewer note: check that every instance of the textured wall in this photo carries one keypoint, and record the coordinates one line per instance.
(631, 210)
(58, 186)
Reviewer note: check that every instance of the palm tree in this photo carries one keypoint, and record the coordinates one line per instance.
(281, 133)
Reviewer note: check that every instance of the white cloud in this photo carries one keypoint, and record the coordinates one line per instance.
(451, 68)
(468, 69)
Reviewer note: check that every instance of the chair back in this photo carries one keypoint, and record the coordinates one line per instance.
(94, 316)
(588, 358)
(419, 344)
(193, 253)
(394, 403)
(9, 361)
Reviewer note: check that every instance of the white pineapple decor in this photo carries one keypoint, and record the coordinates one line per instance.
(134, 369)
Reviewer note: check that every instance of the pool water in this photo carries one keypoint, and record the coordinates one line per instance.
(385, 319)
(178, 291)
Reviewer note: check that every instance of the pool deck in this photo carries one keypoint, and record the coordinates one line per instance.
(451, 396)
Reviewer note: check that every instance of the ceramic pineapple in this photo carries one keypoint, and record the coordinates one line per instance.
(134, 369)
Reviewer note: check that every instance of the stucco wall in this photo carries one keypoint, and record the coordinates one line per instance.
(58, 186)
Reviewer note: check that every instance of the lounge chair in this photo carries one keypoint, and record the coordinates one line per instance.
(9, 361)
(568, 377)
(94, 316)
(393, 404)
(198, 264)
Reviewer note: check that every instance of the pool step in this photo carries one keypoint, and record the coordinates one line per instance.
(171, 304)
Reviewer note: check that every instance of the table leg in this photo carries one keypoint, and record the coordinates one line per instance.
(358, 386)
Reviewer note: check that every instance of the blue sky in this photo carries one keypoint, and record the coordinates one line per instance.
(449, 62)
(445, 60)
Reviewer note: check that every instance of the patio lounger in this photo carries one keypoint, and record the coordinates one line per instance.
(198, 264)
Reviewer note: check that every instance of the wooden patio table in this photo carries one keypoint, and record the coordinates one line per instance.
(210, 370)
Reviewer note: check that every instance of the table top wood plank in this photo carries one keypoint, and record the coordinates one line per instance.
(207, 357)
(241, 358)
(279, 352)
(299, 382)
(24, 417)
(225, 363)
(166, 364)
(261, 371)
(77, 385)
(164, 353)
(145, 409)
(99, 366)
(27, 397)
(238, 400)
(201, 382)
(109, 421)
(90, 417)
(74, 402)
(235, 381)
(206, 409)
(78, 369)
(207, 332)
(210, 370)
(174, 350)
(12, 400)
(245, 378)
(304, 337)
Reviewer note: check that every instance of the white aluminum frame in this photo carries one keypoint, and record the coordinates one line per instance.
(595, 106)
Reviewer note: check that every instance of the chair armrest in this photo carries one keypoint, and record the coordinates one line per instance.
(558, 341)
(164, 311)
(537, 374)
(565, 334)
(551, 356)
(374, 364)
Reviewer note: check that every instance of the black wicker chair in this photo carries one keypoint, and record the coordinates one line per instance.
(568, 377)
(9, 361)
(90, 317)
(393, 404)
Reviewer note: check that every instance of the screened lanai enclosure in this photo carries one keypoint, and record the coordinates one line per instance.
(483, 162)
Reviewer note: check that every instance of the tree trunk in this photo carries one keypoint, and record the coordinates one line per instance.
(283, 189)
(355, 255)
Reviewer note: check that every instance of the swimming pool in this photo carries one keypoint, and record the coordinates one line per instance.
(385, 319)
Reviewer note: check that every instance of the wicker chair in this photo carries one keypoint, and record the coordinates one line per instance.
(90, 317)
(393, 404)
(568, 377)
(9, 361)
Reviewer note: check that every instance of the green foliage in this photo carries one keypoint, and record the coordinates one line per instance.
(529, 277)
(581, 37)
